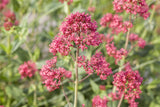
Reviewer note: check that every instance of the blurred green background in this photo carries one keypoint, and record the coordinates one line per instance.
(39, 21)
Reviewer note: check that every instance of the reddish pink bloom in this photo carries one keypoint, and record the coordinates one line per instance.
(132, 6)
(1, 106)
(91, 9)
(97, 64)
(7, 25)
(27, 69)
(116, 23)
(99, 102)
(141, 43)
(102, 87)
(10, 20)
(114, 96)
(68, 1)
(10, 15)
(3, 4)
(76, 30)
(133, 37)
(128, 83)
(83, 105)
(117, 54)
(52, 76)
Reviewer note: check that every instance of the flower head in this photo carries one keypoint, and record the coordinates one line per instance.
(132, 6)
(52, 76)
(68, 1)
(128, 83)
(76, 31)
(116, 23)
(97, 101)
(27, 69)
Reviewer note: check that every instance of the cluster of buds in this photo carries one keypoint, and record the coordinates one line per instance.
(52, 76)
(27, 69)
(97, 63)
(3, 4)
(68, 1)
(128, 84)
(132, 6)
(10, 20)
(134, 37)
(116, 23)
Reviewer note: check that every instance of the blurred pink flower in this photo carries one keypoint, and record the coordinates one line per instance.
(27, 69)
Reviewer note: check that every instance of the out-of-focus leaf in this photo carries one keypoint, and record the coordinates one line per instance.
(14, 92)
(94, 86)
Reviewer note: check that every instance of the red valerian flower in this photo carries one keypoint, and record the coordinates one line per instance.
(76, 31)
(97, 101)
(52, 76)
(132, 6)
(141, 43)
(91, 9)
(27, 69)
(68, 1)
(97, 63)
(116, 23)
(128, 83)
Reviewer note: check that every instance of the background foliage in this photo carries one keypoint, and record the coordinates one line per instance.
(39, 22)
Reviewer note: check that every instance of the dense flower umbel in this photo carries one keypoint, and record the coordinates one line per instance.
(27, 69)
(132, 6)
(114, 96)
(91, 9)
(76, 30)
(134, 38)
(3, 4)
(141, 43)
(97, 101)
(116, 23)
(10, 20)
(52, 76)
(128, 83)
(68, 1)
(97, 64)
(117, 54)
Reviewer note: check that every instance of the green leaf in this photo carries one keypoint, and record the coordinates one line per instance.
(15, 5)
(14, 92)
(81, 98)
(3, 47)
(94, 86)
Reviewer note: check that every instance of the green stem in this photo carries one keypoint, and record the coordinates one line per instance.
(76, 80)
(120, 102)
(9, 45)
(35, 96)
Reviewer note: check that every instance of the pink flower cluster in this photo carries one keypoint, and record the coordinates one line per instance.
(27, 69)
(76, 31)
(112, 50)
(97, 64)
(132, 6)
(116, 23)
(10, 20)
(91, 9)
(3, 4)
(128, 83)
(102, 87)
(134, 37)
(97, 101)
(52, 76)
(68, 1)
(114, 96)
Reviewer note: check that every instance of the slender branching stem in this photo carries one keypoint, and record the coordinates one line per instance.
(120, 102)
(76, 79)
(67, 99)
(85, 78)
